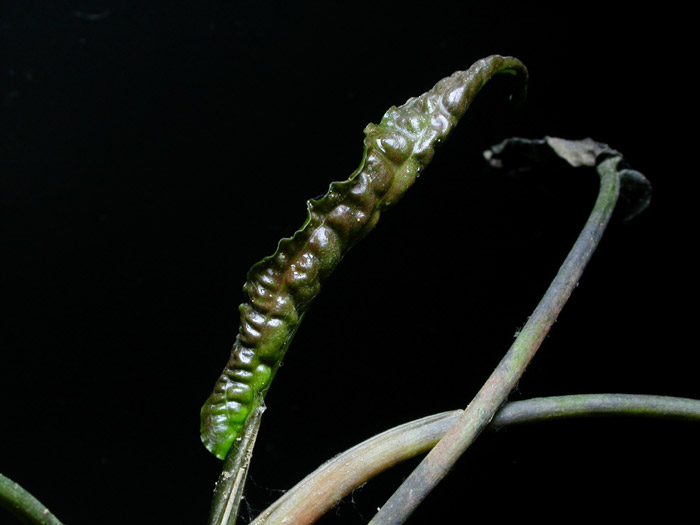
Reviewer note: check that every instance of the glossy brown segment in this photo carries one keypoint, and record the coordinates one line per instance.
(281, 287)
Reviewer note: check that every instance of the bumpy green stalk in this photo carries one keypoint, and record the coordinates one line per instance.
(281, 287)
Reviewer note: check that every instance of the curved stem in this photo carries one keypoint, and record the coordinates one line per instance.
(498, 386)
(332, 481)
(23, 505)
(584, 405)
(321, 490)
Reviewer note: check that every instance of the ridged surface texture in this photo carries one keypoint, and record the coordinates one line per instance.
(281, 287)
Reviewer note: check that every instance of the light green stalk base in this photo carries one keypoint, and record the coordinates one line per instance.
(25, 507)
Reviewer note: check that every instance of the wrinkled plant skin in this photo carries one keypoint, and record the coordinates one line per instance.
(281, 287)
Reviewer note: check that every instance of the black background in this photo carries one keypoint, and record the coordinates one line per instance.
(153, 151)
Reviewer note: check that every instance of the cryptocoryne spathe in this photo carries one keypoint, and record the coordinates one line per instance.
(281, 287)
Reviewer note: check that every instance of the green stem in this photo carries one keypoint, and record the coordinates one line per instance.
(25, 507)
(326, 486)
(494, 392)
(583, 405)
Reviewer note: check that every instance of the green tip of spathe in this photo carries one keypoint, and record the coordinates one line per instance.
(219, 447)
(217, 432)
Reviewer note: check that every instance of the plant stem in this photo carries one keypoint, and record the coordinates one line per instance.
(229, 487)
(494, 392)
(23, 505)
(316, 494)
(584, 405)
(322, 489)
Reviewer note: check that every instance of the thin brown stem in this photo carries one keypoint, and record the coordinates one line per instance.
(495, 391)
